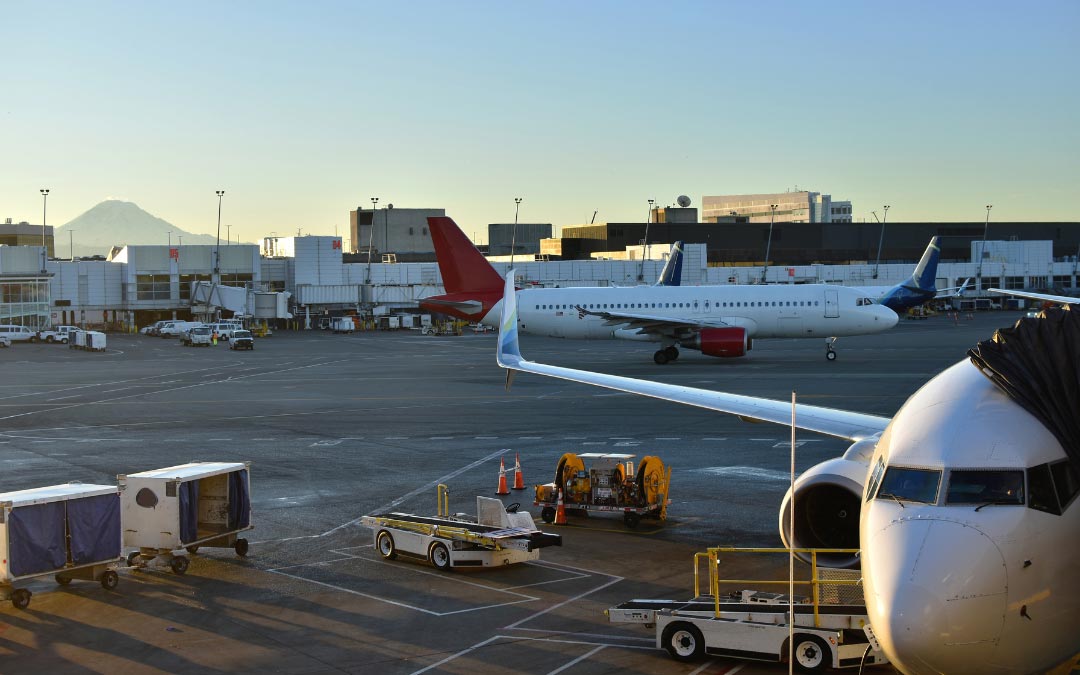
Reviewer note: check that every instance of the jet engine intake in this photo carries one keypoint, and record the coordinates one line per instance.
(828, 499)
(723, 342)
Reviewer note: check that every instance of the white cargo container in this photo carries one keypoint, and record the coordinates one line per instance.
(70, 531)
(88, 340)
(196, 505)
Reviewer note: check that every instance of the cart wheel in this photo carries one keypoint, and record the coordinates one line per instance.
(109, 580)
(133, 558)
(439, 556)
(548, 515)
(21, 598)
(385, 543)
(812, 655)
(631, 519)
(62, 580)
(179, 564)
(683, 641)
(241, 547)
(192, 549)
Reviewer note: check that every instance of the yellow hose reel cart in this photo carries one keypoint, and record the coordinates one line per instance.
(594, 481)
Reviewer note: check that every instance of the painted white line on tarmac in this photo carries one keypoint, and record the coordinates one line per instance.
(576, 661)
(62, 398)
(463, 652)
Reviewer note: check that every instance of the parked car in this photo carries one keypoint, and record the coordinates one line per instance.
(18, 333)
(153, 328)
(61, 334)
(225, 329)
(5, 341)
(242, 339)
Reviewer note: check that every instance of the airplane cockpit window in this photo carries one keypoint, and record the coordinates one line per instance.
(985, 487)
(910, 485)
(1066, 482)
(875, 478)
(1052, 487)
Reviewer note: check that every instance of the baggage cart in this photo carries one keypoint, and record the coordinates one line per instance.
(190, 506)
(496, 537)
(69, 531)
(88, 340)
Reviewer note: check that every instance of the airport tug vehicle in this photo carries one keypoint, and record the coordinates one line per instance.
(609, 484)
(497, 536)
(830, 627)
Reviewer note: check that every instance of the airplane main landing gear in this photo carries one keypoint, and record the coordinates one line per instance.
(830, 353)
(665, 355)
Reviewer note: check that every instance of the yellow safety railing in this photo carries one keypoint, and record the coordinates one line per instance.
(712, 555)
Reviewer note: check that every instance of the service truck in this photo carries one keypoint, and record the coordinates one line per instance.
(61, 334)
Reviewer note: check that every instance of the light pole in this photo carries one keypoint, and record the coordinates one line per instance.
(228, 234)
(768, 243)
(170, 238)
(982, 249)
(881, 238)
(217, 248)
(44, 204)
(371, 235)
(71, 243)
(645, 249)
(513, 235)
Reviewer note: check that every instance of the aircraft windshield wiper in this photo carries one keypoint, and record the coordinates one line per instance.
(894, 498)
(993, 502)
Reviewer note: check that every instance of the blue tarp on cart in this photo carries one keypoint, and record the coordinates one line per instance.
(94, 526)
(189, 511)
(239, 500)
(37, 543)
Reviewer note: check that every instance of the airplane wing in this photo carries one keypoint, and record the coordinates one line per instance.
(840, 423)
(953, 291)
(659, 325)
(1063, 299)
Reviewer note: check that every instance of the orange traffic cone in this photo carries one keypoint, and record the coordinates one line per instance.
(519, 479)
(560, 511)
(502, 479)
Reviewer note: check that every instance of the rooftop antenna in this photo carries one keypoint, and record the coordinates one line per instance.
(594, 216)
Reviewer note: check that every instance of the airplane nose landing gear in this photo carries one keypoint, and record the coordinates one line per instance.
(830, 353)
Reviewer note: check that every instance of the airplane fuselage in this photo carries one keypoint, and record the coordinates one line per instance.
(765, 311)
(963, 564)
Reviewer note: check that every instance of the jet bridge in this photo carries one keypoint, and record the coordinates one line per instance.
(208, 297)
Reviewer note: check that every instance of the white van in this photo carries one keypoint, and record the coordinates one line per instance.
(18, 333)
(225, 329)
(175, 329)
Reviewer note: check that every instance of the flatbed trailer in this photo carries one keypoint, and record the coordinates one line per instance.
(758, 625)
(496, 537)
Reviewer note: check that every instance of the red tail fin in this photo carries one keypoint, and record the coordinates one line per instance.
(463, 269)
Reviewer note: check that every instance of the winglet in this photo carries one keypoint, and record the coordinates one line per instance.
(509, 352)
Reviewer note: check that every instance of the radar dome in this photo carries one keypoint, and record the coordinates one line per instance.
(684, 201)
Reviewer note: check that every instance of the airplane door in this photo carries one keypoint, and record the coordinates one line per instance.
(832, 305)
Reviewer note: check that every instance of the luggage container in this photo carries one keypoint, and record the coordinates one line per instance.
(190, 506)
(88, 340)
(70, 531)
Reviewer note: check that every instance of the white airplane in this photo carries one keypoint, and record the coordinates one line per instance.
(963, 504)
(717, 320)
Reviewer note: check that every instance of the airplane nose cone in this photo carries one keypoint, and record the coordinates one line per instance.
(887, 316)
(936, 596)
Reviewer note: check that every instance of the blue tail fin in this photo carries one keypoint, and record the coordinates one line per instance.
(671, 275)
(925, 275)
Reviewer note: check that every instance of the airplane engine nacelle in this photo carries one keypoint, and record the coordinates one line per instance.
(724, 342)
(828, 499)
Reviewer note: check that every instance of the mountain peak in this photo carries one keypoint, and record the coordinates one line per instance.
(115, 222)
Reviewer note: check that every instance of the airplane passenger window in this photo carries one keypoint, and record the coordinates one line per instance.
(910, 485)
(985, 487)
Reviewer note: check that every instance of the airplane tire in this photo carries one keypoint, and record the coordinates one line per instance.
(830, 355)
(672, 353)
(812, 655)
(660, 357)
(683, 641)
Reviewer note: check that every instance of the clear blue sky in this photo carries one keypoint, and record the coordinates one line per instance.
(302, 111)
